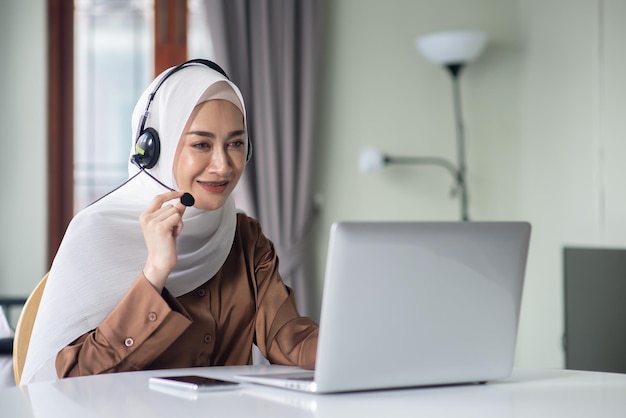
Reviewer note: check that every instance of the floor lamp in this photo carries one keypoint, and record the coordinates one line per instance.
(453, 51)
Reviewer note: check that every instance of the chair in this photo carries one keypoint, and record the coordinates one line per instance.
(24, 328)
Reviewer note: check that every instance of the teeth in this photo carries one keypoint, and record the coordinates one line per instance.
(213, 184)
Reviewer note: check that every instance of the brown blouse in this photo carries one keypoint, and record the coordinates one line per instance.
(246, 302)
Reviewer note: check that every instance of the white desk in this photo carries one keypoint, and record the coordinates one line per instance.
(527, 393)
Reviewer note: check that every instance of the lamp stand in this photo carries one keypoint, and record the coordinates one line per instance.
(457, 172)
(371, 159)
(455, 70)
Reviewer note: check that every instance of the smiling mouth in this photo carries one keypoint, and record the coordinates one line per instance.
(214, 186)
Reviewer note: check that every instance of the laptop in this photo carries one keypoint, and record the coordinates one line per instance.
(408, 304)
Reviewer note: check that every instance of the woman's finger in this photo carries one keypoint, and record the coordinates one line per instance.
(160, 199)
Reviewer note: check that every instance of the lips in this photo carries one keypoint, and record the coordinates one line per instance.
(213, 187)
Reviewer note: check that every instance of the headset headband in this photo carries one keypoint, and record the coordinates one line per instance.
(205, 62)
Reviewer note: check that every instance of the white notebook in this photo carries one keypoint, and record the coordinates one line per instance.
(410, 304)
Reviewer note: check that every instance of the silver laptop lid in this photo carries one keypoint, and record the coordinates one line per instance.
(420, 303)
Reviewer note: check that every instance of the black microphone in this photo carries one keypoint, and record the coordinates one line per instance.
(186, 199)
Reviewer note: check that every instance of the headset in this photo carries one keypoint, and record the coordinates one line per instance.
(147, 143)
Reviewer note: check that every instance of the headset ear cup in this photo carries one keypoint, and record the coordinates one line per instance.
(148, 148)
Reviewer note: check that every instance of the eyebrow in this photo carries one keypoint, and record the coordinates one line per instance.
(211, 135)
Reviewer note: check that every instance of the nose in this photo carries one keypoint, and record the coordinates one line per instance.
(220, 162)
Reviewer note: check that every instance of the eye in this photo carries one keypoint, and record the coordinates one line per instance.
(237, 144)
(201, 145)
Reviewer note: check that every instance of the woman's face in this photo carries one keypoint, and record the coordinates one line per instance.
(211, 153)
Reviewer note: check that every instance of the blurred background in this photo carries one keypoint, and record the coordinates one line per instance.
(544, 109)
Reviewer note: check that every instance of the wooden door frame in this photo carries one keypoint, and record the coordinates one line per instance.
(60, 121)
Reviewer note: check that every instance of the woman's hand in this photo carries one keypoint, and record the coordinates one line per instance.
(161, 225)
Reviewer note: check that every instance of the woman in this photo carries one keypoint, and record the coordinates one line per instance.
(141, 281)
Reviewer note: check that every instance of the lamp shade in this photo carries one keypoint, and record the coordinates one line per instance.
(454, 47)
(370, 159)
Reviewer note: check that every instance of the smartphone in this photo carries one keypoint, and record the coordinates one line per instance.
(191, 383)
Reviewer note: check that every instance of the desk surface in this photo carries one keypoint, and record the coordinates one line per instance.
(527, 393)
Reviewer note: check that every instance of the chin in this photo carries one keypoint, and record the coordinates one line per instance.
(209, 206)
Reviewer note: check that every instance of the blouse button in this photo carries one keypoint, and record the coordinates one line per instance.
(201, 292)
(208, 338)
(128, 342)
(152, 316)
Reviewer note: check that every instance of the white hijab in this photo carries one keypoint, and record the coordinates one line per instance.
(103, 250)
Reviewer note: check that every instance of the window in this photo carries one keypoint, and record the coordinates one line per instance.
(113, 58)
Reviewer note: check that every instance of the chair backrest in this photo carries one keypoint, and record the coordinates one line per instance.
(24, 328)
